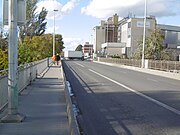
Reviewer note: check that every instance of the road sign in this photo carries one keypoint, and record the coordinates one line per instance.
(21, 12)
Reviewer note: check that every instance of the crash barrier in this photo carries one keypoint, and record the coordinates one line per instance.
(169, 66)
(25, 75)
(71, 110)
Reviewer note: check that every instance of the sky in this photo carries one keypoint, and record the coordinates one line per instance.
(75, 19)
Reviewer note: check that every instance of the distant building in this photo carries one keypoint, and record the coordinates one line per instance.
(123, 38)
(171, 34)
(130, 32)
(111, 31)
(87, 49)
(99, 37)
(112, 49)
(172, 39)
(107, 31)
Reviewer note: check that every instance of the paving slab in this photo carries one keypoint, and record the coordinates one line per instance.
(43, 104)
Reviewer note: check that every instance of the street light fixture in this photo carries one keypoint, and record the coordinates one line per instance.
(55, 10)
(144, 33)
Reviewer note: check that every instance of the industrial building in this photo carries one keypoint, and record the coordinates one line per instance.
(172, 39)
(126, 35)
(171, 34)
(106, 32)
(130, 32)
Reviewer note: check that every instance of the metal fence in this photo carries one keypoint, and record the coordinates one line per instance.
(26, 73)
(169, 66)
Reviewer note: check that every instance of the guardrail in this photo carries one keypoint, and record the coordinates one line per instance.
(169, 66)
(73, 125)
(25, 75)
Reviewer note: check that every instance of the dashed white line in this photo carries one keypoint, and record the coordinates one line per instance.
(140, 94)
(79, 64)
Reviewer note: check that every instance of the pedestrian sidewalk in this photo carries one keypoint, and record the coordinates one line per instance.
(43, 104)
(145, 70)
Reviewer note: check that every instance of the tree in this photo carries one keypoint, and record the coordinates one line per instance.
(3, 52)
(3, 59)
(38, 47)
(3, 43)
(36, 24)
(59, 43)
(35, 48)
(79, 48)
(31, 46)
(153, 46)
(40, 24)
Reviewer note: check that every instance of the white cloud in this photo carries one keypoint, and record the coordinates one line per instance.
(69, 6)
(72, 43)
(52, 5)
(105, 8)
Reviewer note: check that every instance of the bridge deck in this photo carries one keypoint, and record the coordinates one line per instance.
(43, 104)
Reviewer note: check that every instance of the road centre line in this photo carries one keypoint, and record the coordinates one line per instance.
(140, 94)
(79, 64)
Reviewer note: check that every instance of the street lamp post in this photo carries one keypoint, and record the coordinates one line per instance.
(144, 34)
(13, 115)
(107, 36)
(91, 44)
(55, 10)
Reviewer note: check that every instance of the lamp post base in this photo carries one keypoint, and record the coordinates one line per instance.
(13, 118)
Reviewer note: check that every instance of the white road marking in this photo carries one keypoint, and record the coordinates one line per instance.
(140, 94)
(117, 127)
(79, 64)
(152, 80)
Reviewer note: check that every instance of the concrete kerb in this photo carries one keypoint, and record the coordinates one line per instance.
(149, 71)
(73, 125)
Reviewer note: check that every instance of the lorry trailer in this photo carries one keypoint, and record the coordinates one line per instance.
(73, 55)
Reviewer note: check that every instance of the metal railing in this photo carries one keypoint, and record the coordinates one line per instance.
(25, 75)
(169, 66)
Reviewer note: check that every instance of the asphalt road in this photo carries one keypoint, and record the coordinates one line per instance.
(118, 101)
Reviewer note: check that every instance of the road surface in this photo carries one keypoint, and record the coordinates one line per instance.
(118, 101)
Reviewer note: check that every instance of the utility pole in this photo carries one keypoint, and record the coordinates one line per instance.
(144, 34)
(13, 115)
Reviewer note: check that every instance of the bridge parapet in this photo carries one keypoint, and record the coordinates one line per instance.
(26, 74)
